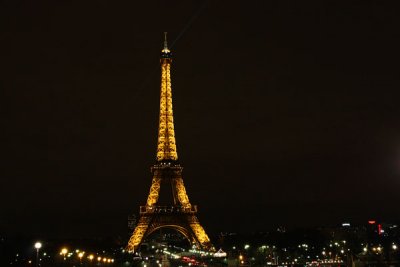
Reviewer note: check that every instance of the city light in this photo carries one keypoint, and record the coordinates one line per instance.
(339, 252)
(333, 251)
(38, 245)
(64, 252)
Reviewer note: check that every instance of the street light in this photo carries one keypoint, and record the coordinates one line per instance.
(91, 257)
(80, 255)
(64, 251)
(38, 245)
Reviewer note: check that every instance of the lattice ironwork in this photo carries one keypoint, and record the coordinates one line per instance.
(181, 214)
(154, 191)
(166, 146)
(181, 193)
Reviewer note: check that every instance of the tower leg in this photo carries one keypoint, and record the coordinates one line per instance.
(181, 192)
(138, 234)
(154, 191)
(200, 234)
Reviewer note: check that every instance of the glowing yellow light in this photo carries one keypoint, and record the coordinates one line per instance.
(98, 258)
(166, 145)
(38, 245)
(64, 251)
(80, 255)
(91, 257)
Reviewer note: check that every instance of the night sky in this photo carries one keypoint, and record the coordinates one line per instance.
(286, 112)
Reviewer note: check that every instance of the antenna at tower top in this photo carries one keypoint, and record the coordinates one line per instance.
(165, 53)
(165, 41)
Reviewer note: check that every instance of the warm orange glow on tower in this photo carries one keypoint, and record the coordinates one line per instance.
(166, 145)
(181, 215)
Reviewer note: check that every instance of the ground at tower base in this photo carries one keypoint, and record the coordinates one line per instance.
(370, 244)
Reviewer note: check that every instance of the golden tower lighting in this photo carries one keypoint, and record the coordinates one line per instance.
(181, 215)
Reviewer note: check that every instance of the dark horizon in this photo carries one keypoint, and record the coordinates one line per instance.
(285, 113)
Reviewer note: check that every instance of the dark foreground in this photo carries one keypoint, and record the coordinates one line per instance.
(371, 244)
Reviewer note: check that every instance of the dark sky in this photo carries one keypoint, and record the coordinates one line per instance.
(286, 112)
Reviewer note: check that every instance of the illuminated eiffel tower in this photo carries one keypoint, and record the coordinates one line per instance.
(180, 215)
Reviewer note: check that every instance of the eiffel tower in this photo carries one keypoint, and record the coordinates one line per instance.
(180, 215)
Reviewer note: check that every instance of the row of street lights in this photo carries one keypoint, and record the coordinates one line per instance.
(64, 252)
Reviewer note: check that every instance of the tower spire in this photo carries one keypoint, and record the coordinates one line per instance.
(166, 145)
(165, 41)
(165, 50)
